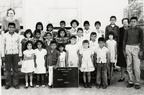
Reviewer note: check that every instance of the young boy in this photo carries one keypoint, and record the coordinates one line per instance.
(86, 30)
(112, 27)
(100, 33)
(52, 60)
(80, 37)
(102, 59)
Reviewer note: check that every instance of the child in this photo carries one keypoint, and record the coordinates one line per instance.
(74, 24)
(62, 25)
(62, 37)
(72, 52)
(112, 46)
(102, 59)
(28, 37)
(47, 39)
(52, 60)
(100, 33)
(40, 64)
(28, 63)
(39, 26)
(37, 36)
(80, 37)
(87, 31)
(112, 28)
(86, 65)
(62, 61)
(49, 28)
(93, 41)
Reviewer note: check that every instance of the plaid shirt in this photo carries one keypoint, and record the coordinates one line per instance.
(11, 44)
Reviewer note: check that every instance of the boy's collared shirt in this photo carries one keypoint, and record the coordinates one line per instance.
(87, 34)
(101, 54)
(11, 44)
(52, 57)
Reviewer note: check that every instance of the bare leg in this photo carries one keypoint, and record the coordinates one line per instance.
(26, 79)
(31, 79)
(84, 77)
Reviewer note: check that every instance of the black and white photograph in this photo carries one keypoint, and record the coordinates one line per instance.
(72, 47)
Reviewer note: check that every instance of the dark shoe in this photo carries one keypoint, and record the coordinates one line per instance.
(109, 81)
(89, 85)
(26, 87)
(121, 80)
(104, 87)
(16, 87)
(130, 85)
(32, 86)
(7, 86)
(98, 86)
(137, 86)
(50, 86)
(85, 85)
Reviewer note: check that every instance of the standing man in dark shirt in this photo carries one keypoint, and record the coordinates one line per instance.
(133, 47)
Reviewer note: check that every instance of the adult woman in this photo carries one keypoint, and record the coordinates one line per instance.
(10, 18)
(121, 56)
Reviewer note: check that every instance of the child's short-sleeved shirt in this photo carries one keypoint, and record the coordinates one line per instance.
(101, 54)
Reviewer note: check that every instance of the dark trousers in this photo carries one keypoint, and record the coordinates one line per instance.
(11, 62)
(102, 74)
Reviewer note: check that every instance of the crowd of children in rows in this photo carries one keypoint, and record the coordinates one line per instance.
(88, 50)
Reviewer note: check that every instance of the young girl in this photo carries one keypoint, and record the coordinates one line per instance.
(40, 57)
(87, 31)
(74, 24)
(80, 37)
(47, 39)
(62, 37)
(37, 36)
(49, 28)
(39, 26)
(72, 53)
(93, 41)
(62, 57)
(28, 63)
(86, 65)
(112, 46)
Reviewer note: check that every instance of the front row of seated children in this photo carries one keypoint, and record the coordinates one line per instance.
(72, 55)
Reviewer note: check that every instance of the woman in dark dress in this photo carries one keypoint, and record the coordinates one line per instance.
(121, 56)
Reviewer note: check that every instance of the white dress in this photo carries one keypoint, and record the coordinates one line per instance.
(79, 41)
(111, 45)
(62, 59)
(86, 34)
(40, 61)
(93, 45)
(28, 65)
(87, 64)
(72, 55)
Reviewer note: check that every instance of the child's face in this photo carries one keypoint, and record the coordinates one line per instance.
(61, 48)
(110, 37)
(39, 45)
(48, 36)
(28, 35)
(50, 28)
(53, 46)
(62, 25)
(97, 26)
(85, 45)
(101, 44)
(73, 41)
(29, 46)
(74, 24)
(11, 28)
(39, 27)
(80, 33)
(93, 37)
(86, 26)
(113, 20)
(133, 22)
(62, 33)
(38, 35)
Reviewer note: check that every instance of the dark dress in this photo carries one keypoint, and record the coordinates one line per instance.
(121, 59)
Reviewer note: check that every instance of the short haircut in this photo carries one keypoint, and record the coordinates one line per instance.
(113, 17)
(85, 41)
(39, 41)
(53, 42)
(134, 18)
(86, 22)
(79, 29)
(49, 25)
(39, 23)
(37, 31)
(93, 33)
(59, 31)
(11, 23)
(28, 31)
(73, 37)
(63, 22)
(97, 22)
(44, 37)
(28, 43)
(125, 19)
(10, 9)
(74, 21)
(101, 39)
(111, 33)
